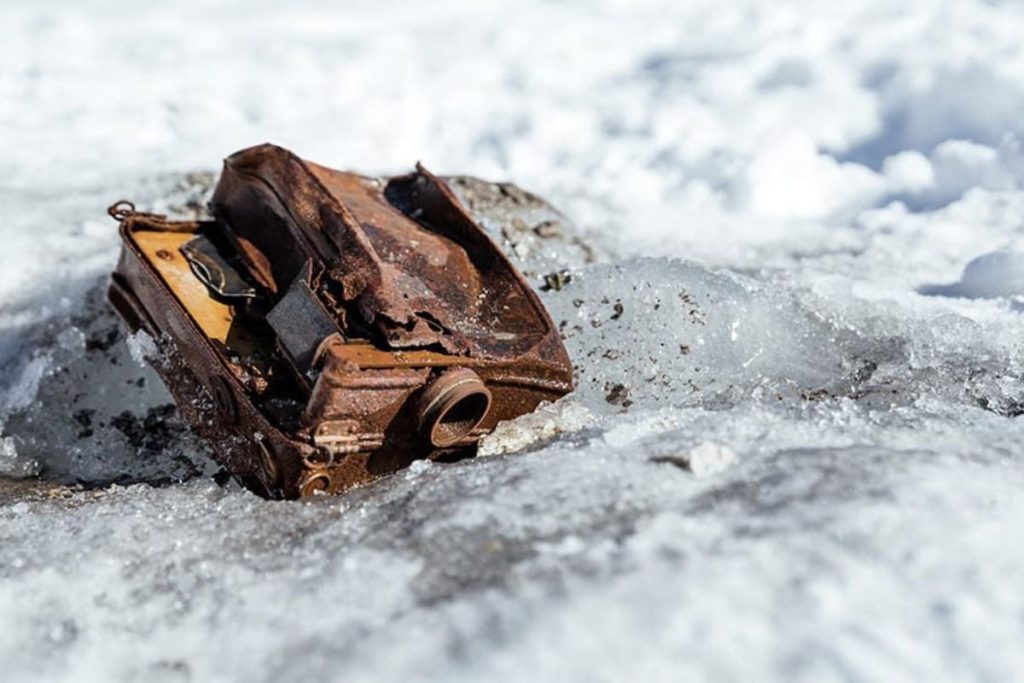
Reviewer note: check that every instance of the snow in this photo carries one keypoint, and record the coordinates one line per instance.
(789, 247)
(706, 459)
(997, 274)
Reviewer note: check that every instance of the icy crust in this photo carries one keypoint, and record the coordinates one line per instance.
(802, 547)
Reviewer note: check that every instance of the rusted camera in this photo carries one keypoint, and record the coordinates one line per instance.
(326, 328)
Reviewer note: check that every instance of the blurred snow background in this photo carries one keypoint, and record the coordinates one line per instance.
(795, 272)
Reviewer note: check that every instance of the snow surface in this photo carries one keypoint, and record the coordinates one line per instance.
(792, 456)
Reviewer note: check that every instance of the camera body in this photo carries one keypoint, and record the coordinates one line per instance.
(327, 328)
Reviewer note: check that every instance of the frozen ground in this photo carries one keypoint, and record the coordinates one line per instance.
(793, 456)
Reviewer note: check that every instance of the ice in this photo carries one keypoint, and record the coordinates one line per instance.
(995, 274)
(784, 244)
(548, 421)
(141, 346)
(84, 409)
(656, 332)
(704, 460)
(14, 465)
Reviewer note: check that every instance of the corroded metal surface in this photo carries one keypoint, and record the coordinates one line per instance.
(327, 328)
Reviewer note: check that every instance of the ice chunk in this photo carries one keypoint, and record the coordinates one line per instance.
(550, 420)
(996, 274)
(23, 390)
(12, 465)
(142, 347)
(649, 332)
(703, 460)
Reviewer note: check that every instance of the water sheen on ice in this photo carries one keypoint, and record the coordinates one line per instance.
(791, 287)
